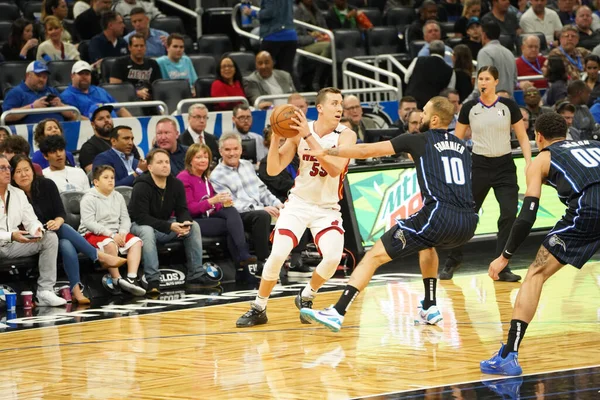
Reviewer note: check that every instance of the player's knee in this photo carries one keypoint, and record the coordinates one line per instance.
(328, 266)
(282, 246)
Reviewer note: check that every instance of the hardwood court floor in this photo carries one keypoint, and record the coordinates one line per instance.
(198, 353)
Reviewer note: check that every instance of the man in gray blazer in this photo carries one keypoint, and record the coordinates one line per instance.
(266, 80)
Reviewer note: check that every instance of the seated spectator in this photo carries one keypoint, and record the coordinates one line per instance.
(250, 195)
(471, 9)
(571, 55)
(354, 112)
(227, 84)
(21, 44)
(534, 108)
(281, 184)
(159, 219)
(341, 16)
(428, 76)
(65, 177)
(431, 32)
(566, 12)
(59, 10)
(531, 62)
(48, 207)
(4, 133)
(80, 6)
(109, 42)
(590, 76)
(406, 105)
(167, 133)
(473, 38)
(214, 212)
(19, 213)
(136, 69)
(44, 128)
(556, 73)
(127, 7)
(507, 21)
(120, 157)
(196, 131)
(14, 145)
(106, 225)
(176, 65)
(242, 119)
(34, 92)
(428, 11)
(296, 99)
(88, 23)
(578, 94)
(453, 97)
(266, 80)
(463, 70)
(414, 121)
(539, 18)
(55, 48)
(567, 110)
(588, 39)
(156, 40)
(85, 96)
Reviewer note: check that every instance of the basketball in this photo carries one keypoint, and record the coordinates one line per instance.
(281, 120)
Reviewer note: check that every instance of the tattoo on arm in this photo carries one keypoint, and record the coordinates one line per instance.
(333, 151)
(542, 257)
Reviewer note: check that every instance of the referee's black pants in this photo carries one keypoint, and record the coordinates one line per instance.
(500, 174)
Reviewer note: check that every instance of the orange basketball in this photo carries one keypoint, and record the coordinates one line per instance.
(281, 120)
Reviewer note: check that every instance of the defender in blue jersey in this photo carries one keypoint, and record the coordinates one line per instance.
(446, 220)
(573, 169)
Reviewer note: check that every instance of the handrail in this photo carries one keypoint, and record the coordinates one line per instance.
(391, 60)
(531, 78)
(310, 95)
(375, 82)
(329, 61)
(209, 100)
(196, 13)
(33, 111)
(142, 104)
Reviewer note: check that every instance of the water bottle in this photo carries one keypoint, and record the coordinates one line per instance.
(246, 19)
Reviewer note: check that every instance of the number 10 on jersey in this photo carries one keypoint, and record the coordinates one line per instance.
(454, 170)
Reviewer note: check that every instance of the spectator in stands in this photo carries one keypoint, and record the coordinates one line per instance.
(567, 110)
(266, 80)
(159, 219)
(540, 18)
(21, 45)
(156, 40)
(242, 119)
(590, 77)
(508, 22)
(167, 133)
(176, 65)
(578, 94)
(531, 62)
(554, 69)
(296, 99)
(533, 106)
(34, 92)
(406, 105)
(250, 195)
(58, 9)
(566, 12)
(66, 178)
(588, 39)
(44, 197)
(354, 112)
(227, 84)
(80, 7)
(4, 133)
(136, 69)
(18, 212)
(414, 121)
(341, 16)
(109, 42)
(428, 11)
(105, 224)
(471, 9)
(463, 70)
(213, 211)
(85, 96)
(14, 145)
(48, 127)
(54, 47)
(196, 131)
(473, 38)
(120, 157)
(454, 98)
(431, 32)
(449, 10)
(88, 23)
(428, 76)
(127, 8)
(571, 55)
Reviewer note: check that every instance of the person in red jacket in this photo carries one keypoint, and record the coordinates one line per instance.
(531, 62)
(227, 84)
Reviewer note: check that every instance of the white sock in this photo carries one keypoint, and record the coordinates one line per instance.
(308, 292)
(261, 302)
(132, 275)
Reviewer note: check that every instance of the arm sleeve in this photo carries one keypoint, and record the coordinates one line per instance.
(463, 116)
(124, 220)
(522, 225)
(88, 216)
(196, 206)
(410, 143)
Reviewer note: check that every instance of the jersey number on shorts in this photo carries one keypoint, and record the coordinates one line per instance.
(589, 158)
(317, 170)
(454, 170)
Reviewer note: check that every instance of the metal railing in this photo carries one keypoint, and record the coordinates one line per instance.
(353, 81)
(196, 13)
(210, 100)
(329, 61)
(531, 78)
(34, 111)
(141, 104)
(313, 95)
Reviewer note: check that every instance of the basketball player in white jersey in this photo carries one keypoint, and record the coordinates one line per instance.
(312, 203)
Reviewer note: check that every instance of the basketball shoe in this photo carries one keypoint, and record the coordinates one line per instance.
(303, 302)
(431, 316)
(328, 317)
(253, 317)
(502, 366)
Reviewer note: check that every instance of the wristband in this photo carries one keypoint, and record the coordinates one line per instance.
(139, 171)
(307, 136)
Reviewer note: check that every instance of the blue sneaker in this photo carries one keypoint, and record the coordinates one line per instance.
(328, 317)
(507, 388)
(431, 316)
(502, 366)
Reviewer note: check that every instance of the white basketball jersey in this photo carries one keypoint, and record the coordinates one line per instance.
(313, 184)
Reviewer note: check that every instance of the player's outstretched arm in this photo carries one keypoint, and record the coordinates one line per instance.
(334, 165)
(278, 158)
(361, 151)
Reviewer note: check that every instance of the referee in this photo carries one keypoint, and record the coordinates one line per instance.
(491, 118)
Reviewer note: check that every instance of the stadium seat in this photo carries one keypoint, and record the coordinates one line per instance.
(415, 47)
(374, 15)
(447, 28)
(452, 42)
(71, 201)
(244, 60)
(106, 68)
(383, 40)
(348, 43)
(9, 12)
(400, 16)
(204, 64)
(5, 31)
(508, 42)
(541, 36)
(124, 92)
(60, 72)
(168, 24)
(32, 10)
(188, 45)
(216, 45)
(171, 91)
(11, 74)
(202, 86)
(61, 88)
(125, 191)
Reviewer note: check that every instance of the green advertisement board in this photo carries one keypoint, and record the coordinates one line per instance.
(379, 197)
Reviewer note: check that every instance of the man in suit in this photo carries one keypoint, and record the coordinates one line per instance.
(196, 131)
(120, 157)
(266, 80)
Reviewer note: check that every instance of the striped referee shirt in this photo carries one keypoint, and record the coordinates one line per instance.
(490, 125)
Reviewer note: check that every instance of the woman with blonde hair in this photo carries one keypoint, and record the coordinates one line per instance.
(471, 8)
(54, 48)
(58, 9)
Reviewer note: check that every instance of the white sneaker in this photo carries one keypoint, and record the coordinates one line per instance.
(47, 298)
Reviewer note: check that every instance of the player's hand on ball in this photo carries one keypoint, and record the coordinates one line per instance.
(301, 123)
(496, 267)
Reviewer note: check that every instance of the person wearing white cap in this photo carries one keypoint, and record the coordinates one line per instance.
(83, 95)
(34, 92)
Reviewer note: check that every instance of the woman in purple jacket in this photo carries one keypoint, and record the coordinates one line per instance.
(213, 211)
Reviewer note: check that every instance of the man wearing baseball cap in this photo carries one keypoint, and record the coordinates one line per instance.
(34, 93)
(473, 38)
(83, 95)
